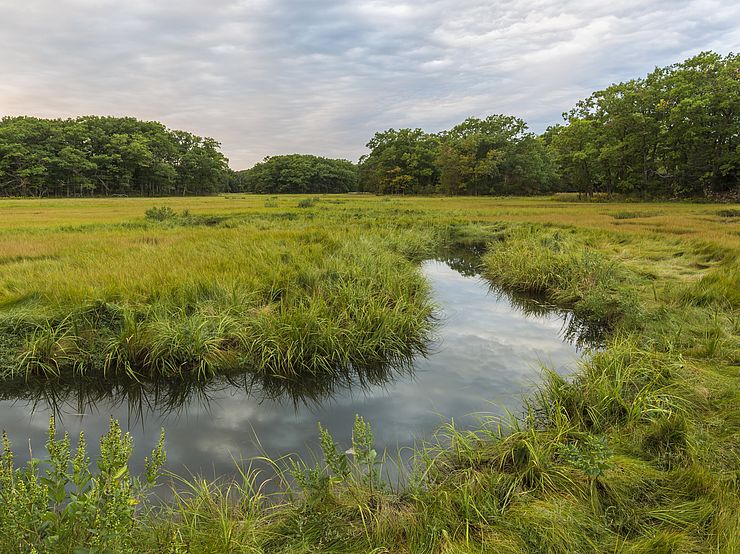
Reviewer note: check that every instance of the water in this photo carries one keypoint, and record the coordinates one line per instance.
(485, 359)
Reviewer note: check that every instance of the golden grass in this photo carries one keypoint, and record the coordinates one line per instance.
(696, 221)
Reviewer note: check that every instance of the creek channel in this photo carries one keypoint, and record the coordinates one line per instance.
(486, 357)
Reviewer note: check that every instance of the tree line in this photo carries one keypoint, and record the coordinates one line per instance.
(93, 155)
(673, 133)
(297, 173)
(496, 155)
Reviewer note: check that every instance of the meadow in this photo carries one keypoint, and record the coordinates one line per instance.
(637, 452)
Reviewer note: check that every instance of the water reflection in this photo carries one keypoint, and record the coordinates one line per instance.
(484, 359)
(467, 262)
(82, 395)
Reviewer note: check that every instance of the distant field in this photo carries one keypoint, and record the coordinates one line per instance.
(705, 221)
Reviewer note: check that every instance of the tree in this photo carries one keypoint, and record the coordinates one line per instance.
(401, 162)
(675, 132)
(105, 155)
(299, 173)
(496, 155)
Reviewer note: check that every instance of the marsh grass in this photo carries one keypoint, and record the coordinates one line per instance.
(636, 452)
(303, 304)
(633, 215)
(565, 271)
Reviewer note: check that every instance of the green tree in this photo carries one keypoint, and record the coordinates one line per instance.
(401, 161)
(299, 173)
(495, 155)
(673, 133)
(105, 155)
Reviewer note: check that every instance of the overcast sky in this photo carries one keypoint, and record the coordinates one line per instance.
(280, 76)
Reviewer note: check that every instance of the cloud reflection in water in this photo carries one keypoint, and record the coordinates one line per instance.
(485, 358)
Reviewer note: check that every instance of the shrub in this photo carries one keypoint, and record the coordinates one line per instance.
(308, 202)
(61, 505)
(161, 213)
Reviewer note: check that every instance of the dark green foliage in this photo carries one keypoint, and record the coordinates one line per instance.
(185, 218)
(728, 213)
(107, 156)
(591, 455)
(496, 155)
(307, 202)
(673, 133)
(298, 173)
(401, 162)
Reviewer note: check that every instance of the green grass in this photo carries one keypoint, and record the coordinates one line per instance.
(288, 302)
(637, 452)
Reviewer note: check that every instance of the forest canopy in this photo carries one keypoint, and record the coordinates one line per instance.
(93, 155)
(496, 155)
(298, 173)
(672, 134)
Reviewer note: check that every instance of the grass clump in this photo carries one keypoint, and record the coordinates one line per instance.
(622, 385)
(185, 218)
(300, 305)
(728, 213)
(632, 215)
(567, 272)
(161, 213)
(308, 202)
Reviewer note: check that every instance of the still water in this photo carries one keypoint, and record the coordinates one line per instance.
(485, 358)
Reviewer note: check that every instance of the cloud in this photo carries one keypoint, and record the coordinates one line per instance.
(268, 77)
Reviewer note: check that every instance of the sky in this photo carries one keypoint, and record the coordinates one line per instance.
(267, 77)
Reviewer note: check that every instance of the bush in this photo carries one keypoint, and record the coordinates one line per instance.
(161, 213)
(307, 202)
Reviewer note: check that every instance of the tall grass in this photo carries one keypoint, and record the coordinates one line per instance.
(635, 453)
(566, 271)
(298, 305)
